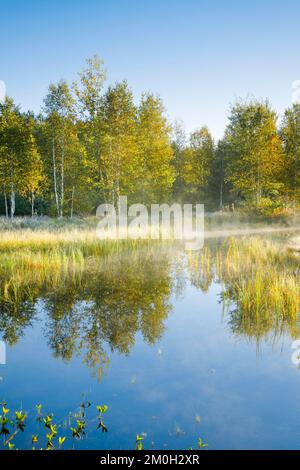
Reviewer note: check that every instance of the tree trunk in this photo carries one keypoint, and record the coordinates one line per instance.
(55, 176)
(6, 205)
(97, 157)
(295, 186)
(221, 185)
(117, 193)
(12, 201)
(32, 204)
(62, 172)
(258, 185)
(221, 195)
(72, 202)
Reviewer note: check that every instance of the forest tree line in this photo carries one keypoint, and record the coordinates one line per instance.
(90, 145)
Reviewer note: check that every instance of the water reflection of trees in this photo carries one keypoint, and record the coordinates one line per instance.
(14, 318)
(102, 307)
(99, 311)
(112, 303)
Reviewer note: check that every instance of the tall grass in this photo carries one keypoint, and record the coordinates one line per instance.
(65, 241)
(260, 278)
(32, 259)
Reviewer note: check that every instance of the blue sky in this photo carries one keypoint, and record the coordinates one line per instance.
(199, 55)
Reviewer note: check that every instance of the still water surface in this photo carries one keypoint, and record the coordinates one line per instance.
(153, 341)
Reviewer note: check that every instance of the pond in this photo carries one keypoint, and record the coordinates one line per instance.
(163, 339)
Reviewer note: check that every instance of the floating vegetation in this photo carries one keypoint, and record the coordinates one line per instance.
(46, 432)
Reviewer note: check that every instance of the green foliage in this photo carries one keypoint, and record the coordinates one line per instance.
(197, 164)
(201, 445)
(290, 134)
(119, 150)
(48, 435)
(139, 442)
(101, 411)
(156, 173)
(254, 164)
(21, 169)
(49, 432)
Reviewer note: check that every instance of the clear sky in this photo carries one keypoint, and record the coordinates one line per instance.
(198, 55)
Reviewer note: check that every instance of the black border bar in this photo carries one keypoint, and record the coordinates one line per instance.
(134, 459)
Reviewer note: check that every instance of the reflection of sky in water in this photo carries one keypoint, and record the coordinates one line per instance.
(198, 371)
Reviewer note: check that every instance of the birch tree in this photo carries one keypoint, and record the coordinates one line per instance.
(290, 133)
(17, 150)
(88, 90)
(255, 163)
(119, 154)
(196, 166)
(157, 173)
(59, 109)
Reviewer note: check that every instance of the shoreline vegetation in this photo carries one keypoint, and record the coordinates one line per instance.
(73, 241)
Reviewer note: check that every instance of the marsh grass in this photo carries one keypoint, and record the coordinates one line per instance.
(260, 278)
(31, 260)
(63, 241)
